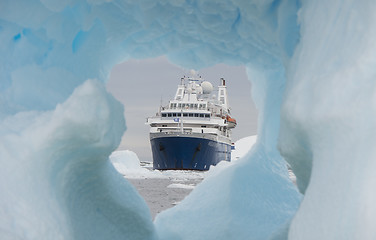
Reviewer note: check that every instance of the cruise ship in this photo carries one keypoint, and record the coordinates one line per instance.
(193, 131)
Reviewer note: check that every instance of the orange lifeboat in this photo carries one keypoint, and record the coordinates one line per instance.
(231, 121)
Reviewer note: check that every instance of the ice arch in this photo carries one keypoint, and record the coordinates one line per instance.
(51, 48)
(58, 128)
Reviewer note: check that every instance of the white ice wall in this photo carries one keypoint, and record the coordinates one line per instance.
(328, 132)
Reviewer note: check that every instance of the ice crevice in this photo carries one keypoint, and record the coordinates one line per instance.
(312, 68)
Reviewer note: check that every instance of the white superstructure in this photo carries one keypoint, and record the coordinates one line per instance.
(195, 111)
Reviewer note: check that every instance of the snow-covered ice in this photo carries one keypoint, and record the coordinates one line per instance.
(127, 163)
(242, 147)
(312, 66)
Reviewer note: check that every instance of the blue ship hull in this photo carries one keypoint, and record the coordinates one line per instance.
(188, 153)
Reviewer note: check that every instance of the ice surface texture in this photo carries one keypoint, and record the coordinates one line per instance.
(57, 128)
(56, 180)
(328, 132)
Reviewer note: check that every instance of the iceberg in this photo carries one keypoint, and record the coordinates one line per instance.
(327, 128)
(57, 180)
(312, 67)
(243, 146)
(127, 163)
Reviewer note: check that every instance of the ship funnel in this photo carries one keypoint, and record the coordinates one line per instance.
(223, 82)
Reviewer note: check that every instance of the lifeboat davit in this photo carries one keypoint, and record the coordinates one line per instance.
(231, 121)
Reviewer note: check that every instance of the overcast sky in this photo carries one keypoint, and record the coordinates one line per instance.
(141, 85)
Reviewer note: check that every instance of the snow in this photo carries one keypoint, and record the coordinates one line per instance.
(312, 68)
(242, 147)
(127, 163)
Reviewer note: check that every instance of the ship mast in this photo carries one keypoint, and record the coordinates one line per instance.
(222, 94)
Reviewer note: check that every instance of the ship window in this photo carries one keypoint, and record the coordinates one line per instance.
(174, 114)
(222, 100)
(170, 114)
(201, 115)
(191, 106)
(203, 126)
(164, 125)
(191, 114)
(207, 115)
(179, 105)
(179, 114)
(164, 115)
(222, 92)
(185, 114)
(195, 106)
(202, 106)
(196, 114)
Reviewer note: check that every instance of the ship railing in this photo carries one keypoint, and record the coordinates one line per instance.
(174, 130)
(188, 131)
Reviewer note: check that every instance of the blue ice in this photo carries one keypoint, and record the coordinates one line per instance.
(312, 67)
